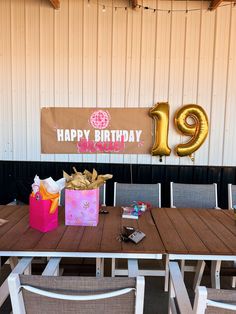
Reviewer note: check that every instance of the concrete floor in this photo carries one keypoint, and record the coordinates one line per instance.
(156, 300)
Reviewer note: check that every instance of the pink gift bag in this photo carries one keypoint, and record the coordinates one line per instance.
(39, 216)
(81, 207)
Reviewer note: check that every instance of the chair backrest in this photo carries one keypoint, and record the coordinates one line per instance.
(126, 193)
(53, 294)
(231, 195)
(193, 195)
(211, 301)
(102, 195)
(206, 300)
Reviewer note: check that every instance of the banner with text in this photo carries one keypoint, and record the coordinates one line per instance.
(93, 130)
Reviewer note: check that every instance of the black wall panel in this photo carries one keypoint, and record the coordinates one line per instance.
(16, 177)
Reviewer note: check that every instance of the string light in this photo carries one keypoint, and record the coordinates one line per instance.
(144, 7)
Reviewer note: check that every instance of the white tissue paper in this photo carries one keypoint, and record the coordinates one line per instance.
(50, 185)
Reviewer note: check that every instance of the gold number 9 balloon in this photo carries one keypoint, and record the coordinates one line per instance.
(160, 113)
(198, 130)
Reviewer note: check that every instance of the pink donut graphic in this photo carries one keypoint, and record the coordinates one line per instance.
(100, 119)
(85, 204)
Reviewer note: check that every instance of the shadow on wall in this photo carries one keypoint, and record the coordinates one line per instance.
(16, 177)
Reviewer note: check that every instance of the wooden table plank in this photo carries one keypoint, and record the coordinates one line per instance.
(30, 239)
(153, 241)
(130, 246)
(189, 237)
(226, 217)
(218, 228)
(13, 235)
(3, 206)
(114, 226)
(91, 238)
(7, 210)
(111, 231)
(230, 214)
(70, 239)
(210, 240)
(169, 236)
(27, 240)
(13, 217)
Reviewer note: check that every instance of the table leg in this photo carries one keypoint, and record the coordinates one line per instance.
(182, 266)
(215, 274)
(233, 284)
(52, 268)
(4, 292)
(102, 267)
(13, 261)
(166, 285)
(133, 267)
(234, 277)
(198, 274)
(113, 267)
(99, 267)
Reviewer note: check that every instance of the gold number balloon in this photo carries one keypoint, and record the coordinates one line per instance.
(198, 130)
(160, 113)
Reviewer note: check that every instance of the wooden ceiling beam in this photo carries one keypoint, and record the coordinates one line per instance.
(214, 4)
(134, 3)
(55, 3)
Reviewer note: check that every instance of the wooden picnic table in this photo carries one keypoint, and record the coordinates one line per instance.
(198, 234)
(17, 238)
(207, 232)
(173, 231)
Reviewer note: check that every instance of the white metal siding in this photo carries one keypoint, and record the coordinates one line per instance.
(80, 56)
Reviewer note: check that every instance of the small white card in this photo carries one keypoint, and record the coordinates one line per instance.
(3, 221)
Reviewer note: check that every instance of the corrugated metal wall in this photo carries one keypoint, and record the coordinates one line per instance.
(80, 56)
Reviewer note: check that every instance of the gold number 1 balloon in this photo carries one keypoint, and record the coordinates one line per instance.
(160, 113)
(198, 130)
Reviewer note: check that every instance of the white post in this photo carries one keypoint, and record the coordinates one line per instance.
(15, 294)
(200, 300)
(133, 267)
(166, 273)
(139, 302)
(215, 274)
(198, 274)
